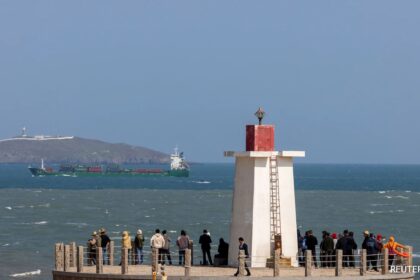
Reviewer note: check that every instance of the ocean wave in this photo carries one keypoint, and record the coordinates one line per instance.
(390, 211)
(76, 224)
(29, 273)
(8, 208)
(416, 255)
(47, 205)
(33, 223)
(202, 182)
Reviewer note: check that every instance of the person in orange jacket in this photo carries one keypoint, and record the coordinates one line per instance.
(392, 247)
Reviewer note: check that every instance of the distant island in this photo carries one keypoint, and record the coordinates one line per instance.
(71, 149)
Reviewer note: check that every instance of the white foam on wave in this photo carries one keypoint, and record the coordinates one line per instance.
(388, 196)
(416, 255)
(408, 191)
(77, 224)
(5, 245)
(382, 192)
(29, 273)
(202, 182)
(8, 208)
(46, 205)
(41, 223)
(402, 197)
(172, 231)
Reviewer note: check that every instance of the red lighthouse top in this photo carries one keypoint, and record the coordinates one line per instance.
(259, 137)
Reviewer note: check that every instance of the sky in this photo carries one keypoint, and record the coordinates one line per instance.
(338, 79)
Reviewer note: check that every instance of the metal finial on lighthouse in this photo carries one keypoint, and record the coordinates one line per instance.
(260, 115)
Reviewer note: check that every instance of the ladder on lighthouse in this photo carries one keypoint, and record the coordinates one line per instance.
(274, 199)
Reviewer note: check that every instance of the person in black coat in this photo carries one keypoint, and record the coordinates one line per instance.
(372, 250)
(205, 242)
(243, 246)
(223, 252)
(311, 243)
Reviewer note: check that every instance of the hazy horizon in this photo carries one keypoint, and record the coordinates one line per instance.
(339, 80)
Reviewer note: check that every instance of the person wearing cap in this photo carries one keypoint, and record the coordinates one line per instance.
(92, 245)
(105, 241)
(138, 244)
(371, 247)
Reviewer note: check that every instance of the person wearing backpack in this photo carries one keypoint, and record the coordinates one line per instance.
(138, 244)
(371, 246)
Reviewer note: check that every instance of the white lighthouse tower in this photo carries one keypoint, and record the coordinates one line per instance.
(263, 198)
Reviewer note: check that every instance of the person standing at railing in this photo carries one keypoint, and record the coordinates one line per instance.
(157, 242)
(392, 247)
(327, 250)
(243, 246)
(371, 246)
(105, 241)
(352, 243)
(311, 243)
(182, 242)
(205, 241)
(92, 245)
(166, 253)
(126, 242)
(138, 244)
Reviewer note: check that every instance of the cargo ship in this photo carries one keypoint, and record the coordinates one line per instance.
(179, 168)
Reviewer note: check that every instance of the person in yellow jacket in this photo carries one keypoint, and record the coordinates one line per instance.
(126, 242)
(392, 247)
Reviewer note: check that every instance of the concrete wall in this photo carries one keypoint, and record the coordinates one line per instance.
(288, 225)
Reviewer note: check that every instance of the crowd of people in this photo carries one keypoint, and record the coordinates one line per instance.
(330, 243)
(160, 241)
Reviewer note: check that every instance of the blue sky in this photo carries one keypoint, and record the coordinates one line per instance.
(339, 79)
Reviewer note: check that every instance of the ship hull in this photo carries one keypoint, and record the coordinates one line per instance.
(38, 172)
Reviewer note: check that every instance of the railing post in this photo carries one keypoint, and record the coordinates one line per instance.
(80, 259)
(59, 257)
(308, 263)
(99, 260)
(187, 265)
(241, 262)
(111, 252)
(385, 261)
(73, 255)
(363, 265)
(133, 253)
(66, 257)
(277, 254)
(410, 256)
(155, 256)
(124, 261)
(276, 271)
(191, 247)
(339, 263)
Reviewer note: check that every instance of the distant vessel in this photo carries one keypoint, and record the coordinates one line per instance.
(24, 136)
(179, 168)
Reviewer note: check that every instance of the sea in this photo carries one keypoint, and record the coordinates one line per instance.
(37, 212)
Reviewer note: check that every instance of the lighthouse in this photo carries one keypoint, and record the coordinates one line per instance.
(263, 206)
